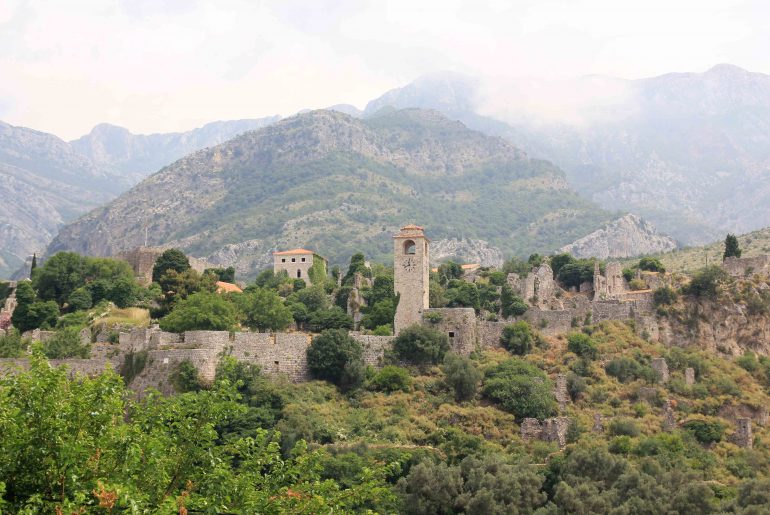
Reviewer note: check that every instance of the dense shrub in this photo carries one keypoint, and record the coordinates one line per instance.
(582, 345)
(336, 357)
(518, 338)
(626, 369)
(576, 385)
(66, 344)
(421, 345)
(12, 345)
(185, 377)
(201, 311)
(332, 318)
(705, 283)
(479, 485)
(262, 310)
(171, 259)
(511, 304)
(624, 427)
(664, 296)
(748, 362)
(651, 264)
(462, 375)
(706, 432)
(391, 379)
(520, 388)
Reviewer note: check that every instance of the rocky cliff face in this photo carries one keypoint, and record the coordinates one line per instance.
(625, 237)
(43, 182)
(340, 185)
(465, 251)
(138, 155)
(727, 328)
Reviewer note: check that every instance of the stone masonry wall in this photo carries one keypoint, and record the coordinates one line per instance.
(374, 347)
(739, 267)
(277, 354)
(459, 324)
(489, 334)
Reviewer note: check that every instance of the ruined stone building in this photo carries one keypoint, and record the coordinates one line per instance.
(142, 260)
(297, 263)
(611, 285)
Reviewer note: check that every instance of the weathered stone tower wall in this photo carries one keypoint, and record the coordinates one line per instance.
(411, 264)
(142, 260)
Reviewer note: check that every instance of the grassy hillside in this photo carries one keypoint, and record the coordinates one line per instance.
(692, 258)
(409, 446)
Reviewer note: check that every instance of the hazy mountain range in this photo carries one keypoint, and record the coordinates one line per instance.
(45, 181)
(689, 152)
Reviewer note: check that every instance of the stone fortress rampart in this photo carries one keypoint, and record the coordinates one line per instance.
(154, 355)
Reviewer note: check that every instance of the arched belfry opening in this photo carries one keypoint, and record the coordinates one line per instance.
(410, 248)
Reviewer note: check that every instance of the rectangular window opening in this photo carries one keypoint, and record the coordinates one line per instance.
(451, 334)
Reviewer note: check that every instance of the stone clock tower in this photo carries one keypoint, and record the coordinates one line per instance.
(411, 267)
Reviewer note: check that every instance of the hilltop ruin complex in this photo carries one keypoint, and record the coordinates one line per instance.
(552, 310)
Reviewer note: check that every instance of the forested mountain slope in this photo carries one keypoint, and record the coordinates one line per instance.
(339, 185)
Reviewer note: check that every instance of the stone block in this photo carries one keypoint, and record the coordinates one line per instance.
(743, 436)
(689, 376)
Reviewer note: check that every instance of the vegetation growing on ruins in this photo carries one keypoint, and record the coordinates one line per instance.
(430, 432)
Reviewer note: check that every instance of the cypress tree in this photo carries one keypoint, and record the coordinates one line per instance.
(731, 247)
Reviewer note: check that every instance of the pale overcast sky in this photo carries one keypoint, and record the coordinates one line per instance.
(165, 65)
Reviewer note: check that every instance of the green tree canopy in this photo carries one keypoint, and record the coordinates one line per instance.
(511, 304)
(518, 338)
(520, 388)
(263, 310)
(461, 375)
(31, 313)
(449, 271)
(69, 445)
(421, 345)
(651, 264)
(171, 259)
(332, 318)
(336, 357)
(201, 311)
(732, 248)
(226, 275)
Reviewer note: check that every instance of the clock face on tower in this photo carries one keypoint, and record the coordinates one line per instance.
(409, 264)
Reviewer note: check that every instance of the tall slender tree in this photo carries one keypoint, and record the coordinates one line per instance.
(732, 249)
